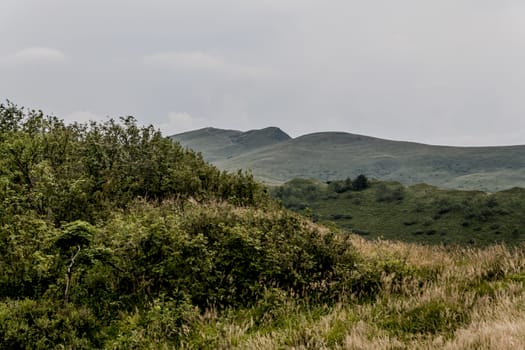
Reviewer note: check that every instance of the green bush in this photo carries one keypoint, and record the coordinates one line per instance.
(30, 324)
(386, 193)
(389, 276)
(432, 317)
(224, 258)
(163, 323)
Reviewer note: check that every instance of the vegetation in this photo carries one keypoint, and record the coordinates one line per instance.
(419, 213)
(329, 156)
(113, 237)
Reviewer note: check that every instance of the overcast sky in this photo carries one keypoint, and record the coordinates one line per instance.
(433, 71)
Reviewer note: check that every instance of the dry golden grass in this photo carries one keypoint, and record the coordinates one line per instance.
(482, 283)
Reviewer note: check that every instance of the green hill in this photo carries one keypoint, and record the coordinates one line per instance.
(418, 213)
(218, 144)
(335, 155)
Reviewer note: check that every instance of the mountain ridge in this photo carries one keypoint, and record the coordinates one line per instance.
(216, 144)
(336, 155)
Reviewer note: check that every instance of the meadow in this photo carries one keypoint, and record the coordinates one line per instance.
(412, 297)
(419, 213)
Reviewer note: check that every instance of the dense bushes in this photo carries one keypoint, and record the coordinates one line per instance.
(217, 255)
(70, 172)
(43, 324)
(111, 235)
(419, 213)
(187, 259)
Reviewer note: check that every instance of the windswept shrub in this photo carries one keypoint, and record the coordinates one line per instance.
(83, 171)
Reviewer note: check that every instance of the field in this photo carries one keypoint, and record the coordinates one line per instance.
(414, 297)
(419, 213)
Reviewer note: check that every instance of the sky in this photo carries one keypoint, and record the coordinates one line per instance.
(440, 72)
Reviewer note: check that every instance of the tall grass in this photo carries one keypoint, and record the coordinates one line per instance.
(426, 298)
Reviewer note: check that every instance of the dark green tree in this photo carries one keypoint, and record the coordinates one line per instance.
(360, 183)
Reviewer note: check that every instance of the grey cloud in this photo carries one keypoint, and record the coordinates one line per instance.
(83, 117)
(446, 71)
(35, 55)
(203, 63)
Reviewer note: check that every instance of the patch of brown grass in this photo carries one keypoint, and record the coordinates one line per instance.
(474, 280)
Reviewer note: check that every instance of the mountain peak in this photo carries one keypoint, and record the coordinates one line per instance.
(216, 144)
(260, 137)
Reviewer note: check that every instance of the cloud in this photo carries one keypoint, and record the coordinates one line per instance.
(36, 55)
(84, 117)
(178, 122)
(384, 68)
(199, 62)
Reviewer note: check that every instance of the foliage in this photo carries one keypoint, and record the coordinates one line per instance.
(71, 172)
(432, 317)
(360, 183)
(42, 324)
(67, 192)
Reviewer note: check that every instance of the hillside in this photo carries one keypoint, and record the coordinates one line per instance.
(114, 237)
(218, 144)
(336, 155)
(418, 213)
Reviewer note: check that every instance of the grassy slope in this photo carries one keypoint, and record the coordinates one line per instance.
(418, 213)
(218, 144)
(333, 155)
(212, 262)
(209, 140)
(427, 298)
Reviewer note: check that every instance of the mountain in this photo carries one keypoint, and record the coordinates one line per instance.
(275, 158)
(218, 144)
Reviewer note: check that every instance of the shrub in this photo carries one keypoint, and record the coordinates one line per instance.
(386, 193)
(30, 324)
(221, 257)
(162, 324)
(360, 183)
(430, 317)
(388, 276)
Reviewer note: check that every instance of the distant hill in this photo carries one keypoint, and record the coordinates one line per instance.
(219, 144)
(274, 157)
(419, 213)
